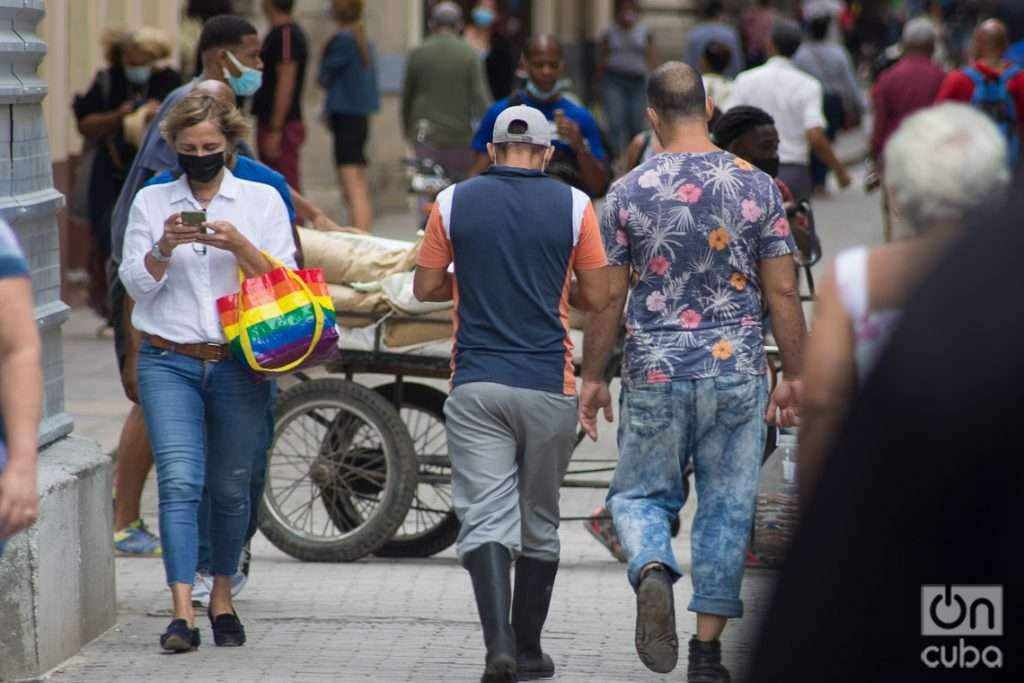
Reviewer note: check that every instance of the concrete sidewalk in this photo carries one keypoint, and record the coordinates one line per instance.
(391, 620)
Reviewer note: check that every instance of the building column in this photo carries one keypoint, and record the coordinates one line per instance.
(56, 579)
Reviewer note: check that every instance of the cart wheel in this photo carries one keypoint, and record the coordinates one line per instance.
(431, 525)
(340, 452)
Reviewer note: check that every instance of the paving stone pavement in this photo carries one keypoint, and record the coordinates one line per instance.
(373, 620)
(390, 620)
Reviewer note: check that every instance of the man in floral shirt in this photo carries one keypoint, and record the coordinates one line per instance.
(703, 237)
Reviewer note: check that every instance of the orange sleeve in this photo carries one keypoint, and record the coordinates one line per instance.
(436, 250)
(590, 249)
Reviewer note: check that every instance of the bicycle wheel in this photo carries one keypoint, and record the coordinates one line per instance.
(431, 524)
(340, 454)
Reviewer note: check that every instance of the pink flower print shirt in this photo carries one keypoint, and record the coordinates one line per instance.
(693, 228)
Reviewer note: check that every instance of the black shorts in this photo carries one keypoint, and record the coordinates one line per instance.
(350, 133)
(117, 321)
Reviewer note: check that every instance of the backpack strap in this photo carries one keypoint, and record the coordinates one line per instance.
(1009, 74)
(976, 77)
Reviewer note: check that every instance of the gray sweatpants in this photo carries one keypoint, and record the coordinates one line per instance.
(509, 449)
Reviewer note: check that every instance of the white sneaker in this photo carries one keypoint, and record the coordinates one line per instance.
(202, 584)
(241, 577)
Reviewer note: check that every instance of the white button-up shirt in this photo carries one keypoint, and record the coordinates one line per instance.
(182, 305)
(793, 98)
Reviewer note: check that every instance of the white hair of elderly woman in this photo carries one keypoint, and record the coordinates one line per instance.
(944, 162)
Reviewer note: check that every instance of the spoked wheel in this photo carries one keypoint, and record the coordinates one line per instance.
(340, 475)
(431, 525)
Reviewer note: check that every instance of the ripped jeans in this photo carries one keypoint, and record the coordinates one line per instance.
(206, 423)
(718, 423)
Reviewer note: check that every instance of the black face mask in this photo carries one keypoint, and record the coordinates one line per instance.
(769, 166)
(201, 169)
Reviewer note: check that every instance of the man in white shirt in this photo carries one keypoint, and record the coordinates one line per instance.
(795, 100)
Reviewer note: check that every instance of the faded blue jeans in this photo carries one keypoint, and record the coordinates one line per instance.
(718, 423)
(206, 423)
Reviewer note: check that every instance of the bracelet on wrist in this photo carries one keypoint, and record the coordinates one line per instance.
(159, 254)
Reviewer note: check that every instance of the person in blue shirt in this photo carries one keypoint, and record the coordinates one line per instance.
(580, 158)
(21, 391)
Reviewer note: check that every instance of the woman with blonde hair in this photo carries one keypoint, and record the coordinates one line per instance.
(347, 72)
(183, 249)
(941, 166)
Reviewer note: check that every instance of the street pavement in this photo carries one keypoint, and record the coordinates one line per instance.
(392, 620)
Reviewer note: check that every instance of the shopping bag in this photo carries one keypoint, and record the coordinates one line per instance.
(280, 322)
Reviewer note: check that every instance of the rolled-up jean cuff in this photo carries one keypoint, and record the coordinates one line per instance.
(730, 608)
(637, 564)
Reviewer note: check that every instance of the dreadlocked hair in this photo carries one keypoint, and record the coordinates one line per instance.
(737, 121)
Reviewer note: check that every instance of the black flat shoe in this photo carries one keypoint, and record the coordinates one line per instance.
(227, 630)
(179, 637)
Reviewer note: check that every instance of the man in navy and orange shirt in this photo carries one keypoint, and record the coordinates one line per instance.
(515, 238)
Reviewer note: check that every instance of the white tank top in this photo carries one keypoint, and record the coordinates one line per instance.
(871, 329)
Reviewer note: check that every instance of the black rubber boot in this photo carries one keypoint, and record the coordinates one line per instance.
(534, 581)
(489, 568)
(705, 663)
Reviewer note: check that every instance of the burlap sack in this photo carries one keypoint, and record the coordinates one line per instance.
(346, 258)
(348, 300)
(398, 334)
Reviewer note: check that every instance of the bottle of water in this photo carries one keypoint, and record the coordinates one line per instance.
(777, 512)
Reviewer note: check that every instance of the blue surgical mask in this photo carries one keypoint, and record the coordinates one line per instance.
(542, 95)
(138, 75)
(483, 16)
(246, 84)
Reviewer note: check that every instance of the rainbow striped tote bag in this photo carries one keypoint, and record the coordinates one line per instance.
(281, 321)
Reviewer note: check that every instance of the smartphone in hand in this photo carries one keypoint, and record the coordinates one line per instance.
(196, 219)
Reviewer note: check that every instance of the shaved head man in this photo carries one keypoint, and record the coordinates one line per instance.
(991, 40)
(991, 84)
(219, 90)
(704, 400)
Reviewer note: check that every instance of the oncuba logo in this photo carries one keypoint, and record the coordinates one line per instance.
(969, 612)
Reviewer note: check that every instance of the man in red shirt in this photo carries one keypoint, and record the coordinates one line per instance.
(991, 40)
(909, 85)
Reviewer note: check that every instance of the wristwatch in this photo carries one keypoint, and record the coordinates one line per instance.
(156, 253)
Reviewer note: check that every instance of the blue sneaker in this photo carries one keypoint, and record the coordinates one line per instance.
(136, 540)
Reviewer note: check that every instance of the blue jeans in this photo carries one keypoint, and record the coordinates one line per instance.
(256, 485)
(719, 424)
(206, 423)
(625, 104)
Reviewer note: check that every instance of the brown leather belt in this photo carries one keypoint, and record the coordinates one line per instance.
(213, 353)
